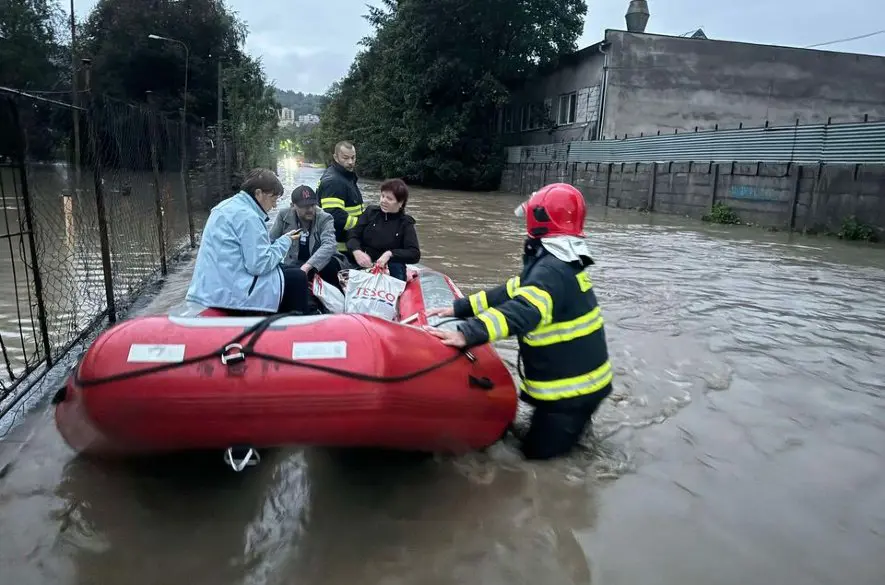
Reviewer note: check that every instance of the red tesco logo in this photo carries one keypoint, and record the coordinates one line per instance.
(372, 293)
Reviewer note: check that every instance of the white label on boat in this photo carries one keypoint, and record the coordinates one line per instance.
(319, 350)
(155, 353)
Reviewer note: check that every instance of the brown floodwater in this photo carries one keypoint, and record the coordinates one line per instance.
(743, 444)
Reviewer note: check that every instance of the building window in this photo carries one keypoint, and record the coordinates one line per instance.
(536, 118)
(508, 120)
(533, 116)
(568, 105)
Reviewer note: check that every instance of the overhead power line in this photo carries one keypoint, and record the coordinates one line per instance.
(872, 34)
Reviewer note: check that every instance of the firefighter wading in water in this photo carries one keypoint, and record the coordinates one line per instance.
(553, 311)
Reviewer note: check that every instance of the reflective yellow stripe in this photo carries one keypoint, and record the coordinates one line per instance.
(584, 281)
(570, 387)
(352, 209)
(512, 285)
(567, 330)
(540, 298)
(479, 302)
(342, 246)
(496, 324)
(332, 203)
(350, 222)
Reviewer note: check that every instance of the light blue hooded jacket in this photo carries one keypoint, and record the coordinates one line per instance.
(237, 265)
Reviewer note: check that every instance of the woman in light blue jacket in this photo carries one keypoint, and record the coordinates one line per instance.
(238, 267)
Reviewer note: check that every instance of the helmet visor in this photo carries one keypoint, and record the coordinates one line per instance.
(520, 210)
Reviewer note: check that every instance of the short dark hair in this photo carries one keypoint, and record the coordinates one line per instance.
(398, 188)
(342, 144)
(264, 179)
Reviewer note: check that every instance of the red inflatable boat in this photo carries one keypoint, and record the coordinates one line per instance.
(202, 380)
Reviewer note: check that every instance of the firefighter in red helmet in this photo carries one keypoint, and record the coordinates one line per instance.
(552, 309)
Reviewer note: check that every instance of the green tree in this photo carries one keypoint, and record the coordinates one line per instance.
(127, 63)
(301, 141)
(301, 103)
(421, 99)
(32, 57)
(252, 112)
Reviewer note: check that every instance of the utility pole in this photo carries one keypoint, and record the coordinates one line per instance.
(74, 94)
(183, 135)
(219, 136)
(103, 230)
(220, 93)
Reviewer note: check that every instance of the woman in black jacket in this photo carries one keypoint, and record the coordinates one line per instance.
(385, 235)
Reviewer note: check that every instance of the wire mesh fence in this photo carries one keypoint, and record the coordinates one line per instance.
(845, 143)
(96, 202)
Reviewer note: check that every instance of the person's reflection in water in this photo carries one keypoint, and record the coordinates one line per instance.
(325, 517)
(175, 519)
(276, 532)
(389, 518)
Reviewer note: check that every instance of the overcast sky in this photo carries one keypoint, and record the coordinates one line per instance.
(305, 45)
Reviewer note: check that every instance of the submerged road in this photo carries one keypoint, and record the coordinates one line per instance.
(743, 444)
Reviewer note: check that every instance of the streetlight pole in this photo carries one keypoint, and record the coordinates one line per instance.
(187, 53)
(75, 101)
(187, 58)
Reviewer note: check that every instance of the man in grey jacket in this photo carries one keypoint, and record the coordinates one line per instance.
(315, 250)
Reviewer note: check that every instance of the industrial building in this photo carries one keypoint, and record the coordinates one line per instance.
(636, 83)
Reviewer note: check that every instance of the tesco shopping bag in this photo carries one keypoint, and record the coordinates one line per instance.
(373, 293)
(328, 295)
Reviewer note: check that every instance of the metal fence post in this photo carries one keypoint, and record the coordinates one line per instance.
(95, 149)
(32, 243)
(203, 162)
(158, 193)
(219, 136)
(187, 199)
(608, 183)
(797, 190)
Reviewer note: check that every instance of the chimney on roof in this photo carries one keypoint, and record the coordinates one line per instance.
(637, 16)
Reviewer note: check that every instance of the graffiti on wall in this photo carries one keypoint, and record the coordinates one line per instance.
(752, 193)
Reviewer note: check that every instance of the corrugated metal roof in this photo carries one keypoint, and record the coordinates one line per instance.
(842, 143)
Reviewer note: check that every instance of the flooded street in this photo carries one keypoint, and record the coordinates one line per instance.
(66, 236)
(743, 444)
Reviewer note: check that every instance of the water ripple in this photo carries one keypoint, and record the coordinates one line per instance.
(745, 428)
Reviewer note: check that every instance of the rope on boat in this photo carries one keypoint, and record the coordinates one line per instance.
(250, 458)
(235, 351)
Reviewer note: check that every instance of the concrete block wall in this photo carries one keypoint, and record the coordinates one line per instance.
(814, 197)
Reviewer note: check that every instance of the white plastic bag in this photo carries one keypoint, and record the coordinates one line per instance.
(328, 295)
(372, 292)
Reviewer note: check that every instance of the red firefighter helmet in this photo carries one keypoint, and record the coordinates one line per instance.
(554, 210)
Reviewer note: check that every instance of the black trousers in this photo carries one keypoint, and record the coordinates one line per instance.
(329, 273)
(294, 290)
(558, 426)
(397, 270)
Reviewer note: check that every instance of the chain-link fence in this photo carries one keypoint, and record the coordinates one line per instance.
(96, 202)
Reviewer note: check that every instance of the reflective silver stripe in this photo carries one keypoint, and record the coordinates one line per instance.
(479, 302)
(332, 202)
(540, 299)
(496, 324)
(570, 387)
(562, 332)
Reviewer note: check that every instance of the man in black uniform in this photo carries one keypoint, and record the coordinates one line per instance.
(339, 194)
(552, 309)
